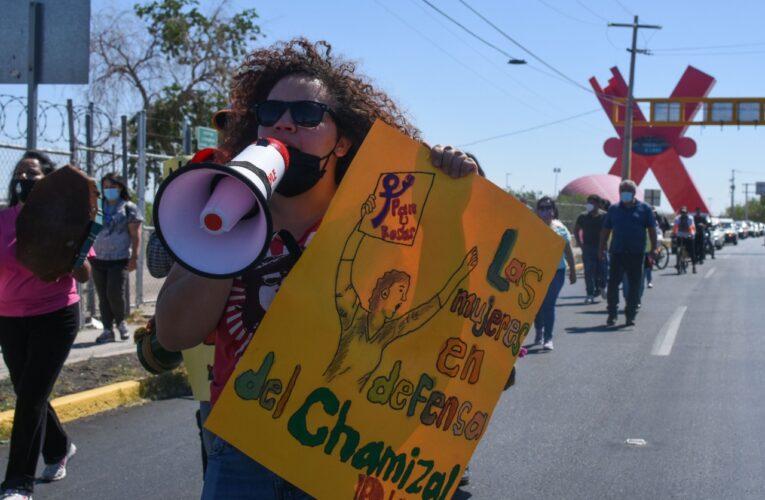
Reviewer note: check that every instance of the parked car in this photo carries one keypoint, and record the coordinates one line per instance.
(717, 235)
(729, 229)
(743, 229)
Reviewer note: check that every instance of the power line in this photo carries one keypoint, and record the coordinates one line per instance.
(529, 129)
(591, 11)
(625, 9)
(694, 54)
(708, 47)
(481, 54)
(562, 75)
(512, 60)
(485, 42)
(568, 16)
(452, 57)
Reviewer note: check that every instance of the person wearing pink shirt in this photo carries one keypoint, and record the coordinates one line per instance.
(38, 325)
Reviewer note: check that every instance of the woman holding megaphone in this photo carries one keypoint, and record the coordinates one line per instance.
(302, 95)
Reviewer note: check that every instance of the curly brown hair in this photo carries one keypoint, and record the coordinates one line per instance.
(359, 104)
(385, 282)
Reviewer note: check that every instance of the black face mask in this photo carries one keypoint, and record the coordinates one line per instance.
(22, 188)
(303, 172)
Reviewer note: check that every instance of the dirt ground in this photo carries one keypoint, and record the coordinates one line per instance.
(89, 374)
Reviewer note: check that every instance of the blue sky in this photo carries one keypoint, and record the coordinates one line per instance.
(460, 91)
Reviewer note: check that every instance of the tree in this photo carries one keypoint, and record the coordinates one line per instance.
(754, 210)
(171, 60)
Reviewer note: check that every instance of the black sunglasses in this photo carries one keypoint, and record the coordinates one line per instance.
(304, 113)
(545, 207)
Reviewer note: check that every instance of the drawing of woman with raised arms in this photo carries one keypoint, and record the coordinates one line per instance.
(367, 331)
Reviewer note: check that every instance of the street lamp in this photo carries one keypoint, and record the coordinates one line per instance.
(507, 181)
(556, 171)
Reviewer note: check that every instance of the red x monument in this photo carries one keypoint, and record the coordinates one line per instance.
(657, 147)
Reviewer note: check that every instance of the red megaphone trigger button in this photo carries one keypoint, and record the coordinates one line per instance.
(279, 145)
(203, 155)
(213, 222)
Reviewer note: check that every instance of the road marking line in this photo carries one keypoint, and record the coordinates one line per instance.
(662, 346)
(710, 272)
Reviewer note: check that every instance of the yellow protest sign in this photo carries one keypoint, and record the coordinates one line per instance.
(198, 362)
(376, 370)
(173, 164)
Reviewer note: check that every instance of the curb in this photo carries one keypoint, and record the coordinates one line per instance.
(109, 397)
(86, 403)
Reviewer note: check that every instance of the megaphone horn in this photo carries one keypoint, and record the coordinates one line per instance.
(214, 219)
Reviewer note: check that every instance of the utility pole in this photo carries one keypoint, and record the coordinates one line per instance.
(627, 151)
(746, 199)
(732, 191)
(556, 171)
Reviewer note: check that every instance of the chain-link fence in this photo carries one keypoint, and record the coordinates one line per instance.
(568, 213)
(94, 146)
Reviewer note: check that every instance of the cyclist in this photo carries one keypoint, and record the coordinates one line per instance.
(684, 231)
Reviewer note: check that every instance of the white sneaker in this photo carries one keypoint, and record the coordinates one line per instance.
(548, 346)
(15, 495)
(123, 329)
(57, 471)
(589, 300)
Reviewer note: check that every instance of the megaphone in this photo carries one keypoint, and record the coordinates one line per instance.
(214, 219)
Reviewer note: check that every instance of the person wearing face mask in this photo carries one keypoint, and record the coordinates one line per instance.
(684, 230)
(313, 101)
(38, 324)
(545, 320)
(631, 222)
(117, 249)
(589, 225)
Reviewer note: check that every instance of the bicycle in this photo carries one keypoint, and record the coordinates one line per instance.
(682, 257)
(661, 260)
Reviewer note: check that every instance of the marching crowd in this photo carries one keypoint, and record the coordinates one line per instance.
(316, 103)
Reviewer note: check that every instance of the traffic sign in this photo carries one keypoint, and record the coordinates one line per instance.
(652, 196)
(206, 137)
(759, 188)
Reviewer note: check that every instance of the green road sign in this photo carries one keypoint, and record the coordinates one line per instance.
(206, 137)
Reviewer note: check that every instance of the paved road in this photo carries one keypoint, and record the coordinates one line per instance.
(147, 452)
(688, 379)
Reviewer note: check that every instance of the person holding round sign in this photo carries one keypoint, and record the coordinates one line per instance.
(313, 102)
(117, 249)
(39, 320)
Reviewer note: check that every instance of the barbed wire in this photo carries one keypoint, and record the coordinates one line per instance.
(52, 122)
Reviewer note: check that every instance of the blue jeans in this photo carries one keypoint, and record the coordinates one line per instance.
(232, 475)
(543, 323)
(595, 270)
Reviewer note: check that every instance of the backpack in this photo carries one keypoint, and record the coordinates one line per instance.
(683, 226)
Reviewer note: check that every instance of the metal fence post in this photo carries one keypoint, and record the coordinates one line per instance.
(72, 136)
(124, 127)
(186, 137)
(141, 194)
(89, 169)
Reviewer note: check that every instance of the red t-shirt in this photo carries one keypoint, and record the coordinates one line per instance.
(22, 293)
(251, 295)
